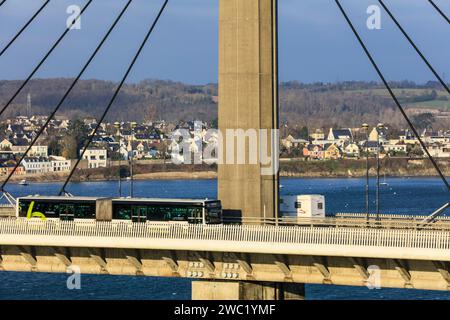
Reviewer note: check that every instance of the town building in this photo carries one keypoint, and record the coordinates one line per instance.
(60, 164)
(332, 152)
(38, 151)
(340, 136)
(318, 134)
(351, 150)
(395, 148)
(96, 157)
(33, 165)
(313, 152)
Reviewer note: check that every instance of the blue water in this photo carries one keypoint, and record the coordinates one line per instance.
(403, 196)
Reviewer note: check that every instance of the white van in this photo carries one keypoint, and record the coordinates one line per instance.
(303, 206)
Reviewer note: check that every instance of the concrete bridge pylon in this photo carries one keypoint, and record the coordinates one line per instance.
(248, 100)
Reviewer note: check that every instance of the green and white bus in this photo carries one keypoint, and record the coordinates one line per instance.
(194, 211)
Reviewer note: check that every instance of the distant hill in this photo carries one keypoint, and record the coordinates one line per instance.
(346, 104)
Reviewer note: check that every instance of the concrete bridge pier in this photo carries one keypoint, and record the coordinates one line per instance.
(247, 290)
(248, 101)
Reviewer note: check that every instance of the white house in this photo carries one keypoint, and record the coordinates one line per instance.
(60, 164)
(37, 165)
(318, 134)
(352, 150)
(340, 136)
(397, 147)
(96, 158)
(290, 142)
(39, 151)
(438, 150)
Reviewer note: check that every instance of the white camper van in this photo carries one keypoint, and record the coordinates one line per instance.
(303, 206)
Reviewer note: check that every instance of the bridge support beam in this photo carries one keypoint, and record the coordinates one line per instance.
(248, 101)
(246, 290)
(224, 275)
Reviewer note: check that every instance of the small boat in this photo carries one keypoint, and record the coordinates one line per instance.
(384, 182)
(23, 182)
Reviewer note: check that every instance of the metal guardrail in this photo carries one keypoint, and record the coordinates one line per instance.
(345, 221)
(114, 233)
(389, 216)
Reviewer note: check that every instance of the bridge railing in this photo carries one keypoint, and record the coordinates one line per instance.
(345, 221)
(398, 238)
(389, 216)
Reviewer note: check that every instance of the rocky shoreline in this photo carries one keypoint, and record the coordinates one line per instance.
(289, 169)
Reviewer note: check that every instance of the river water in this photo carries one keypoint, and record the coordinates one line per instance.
(417, 196)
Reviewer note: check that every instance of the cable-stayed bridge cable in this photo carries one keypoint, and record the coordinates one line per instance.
(24, 27)
(2, 2)
(439, 11)
(415, 46)
(43, 60)
(394, 97)
(91, 58)
(124, 78)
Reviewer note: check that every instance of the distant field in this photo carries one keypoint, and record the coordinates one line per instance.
(400, 92)
(435, 104)
(403, 94)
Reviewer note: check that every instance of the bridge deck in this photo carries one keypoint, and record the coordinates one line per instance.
(294, 240)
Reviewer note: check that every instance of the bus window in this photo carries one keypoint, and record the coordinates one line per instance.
(213, 213)
(66, 211)
(169, 213)
(196, 215)
(122, 212)
(84, 211)
(155, 213)
(142, 211)
(139, 214)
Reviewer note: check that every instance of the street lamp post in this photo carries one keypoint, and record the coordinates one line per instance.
(117, 126)
(133, 125)
(380, 126)
(365, 127)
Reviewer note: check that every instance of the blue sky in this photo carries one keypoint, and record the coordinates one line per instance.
(315, 41)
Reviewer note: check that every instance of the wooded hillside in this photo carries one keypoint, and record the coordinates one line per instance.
(345, 104)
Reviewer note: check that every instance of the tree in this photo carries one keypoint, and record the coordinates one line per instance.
(69, 147)
(423, 120)
(416, 150)
(74, 140)
(79, 132)
(163, 149)
(215, 123)
(54, 147)
(303, 133)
